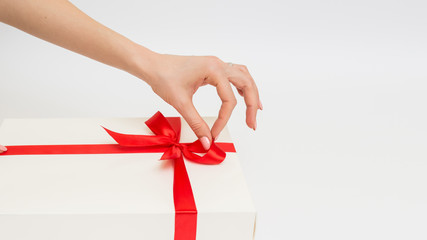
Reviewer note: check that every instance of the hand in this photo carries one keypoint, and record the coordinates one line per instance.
(176, 78)
(2, 149)
(173, 78)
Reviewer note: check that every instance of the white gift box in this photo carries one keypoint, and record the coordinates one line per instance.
(112, 196)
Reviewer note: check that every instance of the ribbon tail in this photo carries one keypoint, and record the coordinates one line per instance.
(185, 205)
(215, 155)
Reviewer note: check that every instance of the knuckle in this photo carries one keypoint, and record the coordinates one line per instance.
(214, 64)
(214, 59)
(230, 104)
(233, 102)
(249, 84)
(196, 126)
(251, 105)
(244, 68)
(180, 104)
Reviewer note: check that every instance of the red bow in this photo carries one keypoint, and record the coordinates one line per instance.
(168, 132)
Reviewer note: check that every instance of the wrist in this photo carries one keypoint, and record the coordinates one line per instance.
(143, 63)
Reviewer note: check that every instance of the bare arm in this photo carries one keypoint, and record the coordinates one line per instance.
(61, 23)
(174, 78)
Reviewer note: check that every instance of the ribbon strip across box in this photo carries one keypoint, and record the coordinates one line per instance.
(120, 178)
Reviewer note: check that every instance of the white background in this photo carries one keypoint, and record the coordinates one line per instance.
(340, 150)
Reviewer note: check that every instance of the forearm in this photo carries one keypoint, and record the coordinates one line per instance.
(61, 23)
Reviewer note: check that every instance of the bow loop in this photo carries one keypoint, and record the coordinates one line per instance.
(159, 125)
(215, 155)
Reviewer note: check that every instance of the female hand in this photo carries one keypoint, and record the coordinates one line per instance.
(176, 78)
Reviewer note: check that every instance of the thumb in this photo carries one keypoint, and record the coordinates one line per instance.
(197, 124)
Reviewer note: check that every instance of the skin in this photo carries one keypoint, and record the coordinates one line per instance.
(174, 78)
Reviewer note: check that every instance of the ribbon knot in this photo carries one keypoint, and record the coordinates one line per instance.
(175, 151)
(167, 134)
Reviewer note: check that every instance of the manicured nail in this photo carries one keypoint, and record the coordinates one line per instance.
(3, 148)
(205, 143)
(260, 105)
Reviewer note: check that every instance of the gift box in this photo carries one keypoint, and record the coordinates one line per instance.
(102, 179)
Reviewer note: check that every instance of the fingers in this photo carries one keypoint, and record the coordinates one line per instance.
(196, 122)
(2, 149)
(239, 76)
(228, 103)
(250, 94)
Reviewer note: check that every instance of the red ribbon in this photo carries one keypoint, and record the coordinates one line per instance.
(166, 139)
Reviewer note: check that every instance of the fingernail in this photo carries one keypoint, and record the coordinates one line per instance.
(205, 143)
(255, 126)
(3, 148)
(260, 105)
